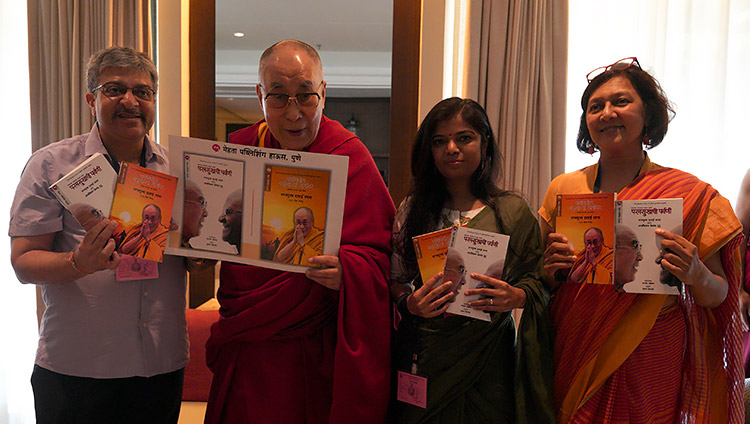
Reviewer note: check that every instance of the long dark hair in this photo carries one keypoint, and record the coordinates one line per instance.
(428, 194)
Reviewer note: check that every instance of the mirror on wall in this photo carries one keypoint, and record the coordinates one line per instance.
(354, 42)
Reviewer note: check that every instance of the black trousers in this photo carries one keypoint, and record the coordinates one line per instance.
(63, 399)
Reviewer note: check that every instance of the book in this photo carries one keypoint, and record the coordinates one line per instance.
(473, 251)
(247, 197)
(87, 191)
(142, 208)
(430, 251)
(638, 249)
(588, 221)
(295, 203)
(212, 186)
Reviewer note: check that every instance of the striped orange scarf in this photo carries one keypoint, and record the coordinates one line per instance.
(598, 329)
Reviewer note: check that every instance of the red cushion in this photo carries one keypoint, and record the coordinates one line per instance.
(197, 375)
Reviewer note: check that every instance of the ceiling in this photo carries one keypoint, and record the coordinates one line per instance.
(353, 38)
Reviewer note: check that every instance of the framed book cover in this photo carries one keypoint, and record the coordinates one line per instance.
(638, 249)
(588, 221)
(473, 251)
(87, 191)
(142, 208)
(430, 250)
(213, 194)
(264, 199)
(295, 203)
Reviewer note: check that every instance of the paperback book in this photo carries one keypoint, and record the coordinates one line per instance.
(87, 191)
(473, 251)
(430, 250)
(295, 202)
(638, 249)
(588, 221)
(142, 208)
(213, 199)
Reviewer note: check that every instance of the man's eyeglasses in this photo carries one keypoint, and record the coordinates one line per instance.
(115, 90)
(617, 66)
(281, 101)
(201, 201)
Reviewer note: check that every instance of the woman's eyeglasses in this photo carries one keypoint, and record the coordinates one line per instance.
(617, 66)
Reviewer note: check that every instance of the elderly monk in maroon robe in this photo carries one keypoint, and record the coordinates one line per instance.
(313, 347)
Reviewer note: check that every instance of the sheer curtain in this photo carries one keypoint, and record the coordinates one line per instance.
(44, 49)
(699, 51)
(516, 70)
(18, 328)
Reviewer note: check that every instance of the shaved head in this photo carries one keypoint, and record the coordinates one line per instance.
(291, 45)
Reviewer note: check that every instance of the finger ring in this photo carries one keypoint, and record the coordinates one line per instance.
(492, 301)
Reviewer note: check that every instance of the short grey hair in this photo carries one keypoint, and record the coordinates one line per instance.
(118, 57)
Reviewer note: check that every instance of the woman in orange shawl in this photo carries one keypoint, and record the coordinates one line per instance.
(626, 358)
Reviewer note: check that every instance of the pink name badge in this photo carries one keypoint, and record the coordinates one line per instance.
(131, 268)
(412, 389)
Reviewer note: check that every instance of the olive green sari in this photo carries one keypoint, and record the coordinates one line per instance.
(476, 372)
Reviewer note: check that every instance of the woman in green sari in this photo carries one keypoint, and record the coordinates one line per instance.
(475, 371)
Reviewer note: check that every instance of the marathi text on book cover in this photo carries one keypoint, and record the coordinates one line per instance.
(213, 203)
(473, 251)
(87, 190)
(638, 249)
(142, 208)
(587, 220)
(430, 250)
(295, 202)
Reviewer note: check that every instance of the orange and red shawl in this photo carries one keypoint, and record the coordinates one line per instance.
(277, 327)
(598, 329)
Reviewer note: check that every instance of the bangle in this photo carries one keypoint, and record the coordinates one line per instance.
(72, 261)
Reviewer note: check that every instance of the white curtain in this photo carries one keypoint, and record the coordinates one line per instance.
(44, 49)
(700, 53)
(516, 70)
(62, 36)
(18, 327)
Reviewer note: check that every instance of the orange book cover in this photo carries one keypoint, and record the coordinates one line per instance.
(430, 250)
(588, 221)
(142, 208)
(295, 203)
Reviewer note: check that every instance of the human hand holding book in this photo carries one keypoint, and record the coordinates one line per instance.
(498, 296)
(96, 251)
(429, 301)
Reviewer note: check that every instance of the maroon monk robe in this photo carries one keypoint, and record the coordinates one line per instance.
(287, 349)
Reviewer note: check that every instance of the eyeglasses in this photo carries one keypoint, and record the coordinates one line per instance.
(635, 244)
(281, 101)
(617, 66)
(115, 90)
(201, 201)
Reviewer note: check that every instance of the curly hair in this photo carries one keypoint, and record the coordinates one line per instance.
(658, 109)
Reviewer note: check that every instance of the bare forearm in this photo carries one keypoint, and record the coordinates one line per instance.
(45, 267)
(710, 291)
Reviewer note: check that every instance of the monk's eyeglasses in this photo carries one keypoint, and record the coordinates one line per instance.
(282, 101)
(635, 244)
(617, 66)
(201, 201)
